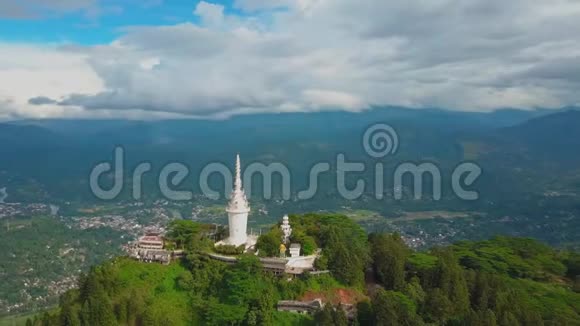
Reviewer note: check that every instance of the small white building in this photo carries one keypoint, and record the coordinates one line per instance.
(295, 250)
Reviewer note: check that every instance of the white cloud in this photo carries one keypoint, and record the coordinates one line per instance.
(210, 14)
(42, 71)
(317, 98)
(320, 54)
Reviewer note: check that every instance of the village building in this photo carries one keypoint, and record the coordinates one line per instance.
(301, 307)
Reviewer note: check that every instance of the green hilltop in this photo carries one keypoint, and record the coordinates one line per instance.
(501, 281)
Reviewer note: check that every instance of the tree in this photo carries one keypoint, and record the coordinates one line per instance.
(573, 265)
(389, 254)
(223, 314)
(243, 280)
(136, 307)
(414, 291)
(121, 311)
(265, 307)
(269, 243)
(69, 316)
(339, 316)
(438, 308)
(489, 318)
(46, 320)
(394, 308)
(449, 277)
(576, 285)
(184, 233)
(347, 256)
(509, 319)
(324, 317)
(307, 242)
(185, 281)
(365, 314)
(85, 314)
(262, 308)
(322, 262)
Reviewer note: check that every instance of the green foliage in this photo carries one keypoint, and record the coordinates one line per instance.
(450, 278)
(184, 233)
(322, 262)
(307, 242)
(572, 262)
(331, 316)
(230, 249)
(420, 261)
(365, 313)
(282, 318)
(269, 243)
(325, 316)
(394, 308)
(467, 284)
(207, 273)
(389, 257)
(125, 291)
(517, 257)
(339, 316)
(344, 244)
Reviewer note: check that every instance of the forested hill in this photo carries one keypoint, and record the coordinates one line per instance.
(502, 281)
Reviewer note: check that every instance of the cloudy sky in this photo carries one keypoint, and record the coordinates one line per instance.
(171, 58)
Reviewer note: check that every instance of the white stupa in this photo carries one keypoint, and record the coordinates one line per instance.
(238, 209)
(286, 229)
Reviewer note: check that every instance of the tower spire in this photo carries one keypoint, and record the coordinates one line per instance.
(238, 201)
(238, 180)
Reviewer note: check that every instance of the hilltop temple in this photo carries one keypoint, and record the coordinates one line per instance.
(238, 209)
(151, 247)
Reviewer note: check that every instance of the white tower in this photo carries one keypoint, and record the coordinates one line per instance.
(238, 209)
(286, 229)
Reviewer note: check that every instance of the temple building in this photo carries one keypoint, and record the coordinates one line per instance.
(149, 248)
(151, 241)
(238, 209)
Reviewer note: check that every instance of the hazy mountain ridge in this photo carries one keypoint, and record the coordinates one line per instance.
(500, 141)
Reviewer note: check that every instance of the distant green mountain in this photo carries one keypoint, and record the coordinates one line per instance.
(62, 152)
(553, 138)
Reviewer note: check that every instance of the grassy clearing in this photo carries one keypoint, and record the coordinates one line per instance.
(168, 298)
(16, 320)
